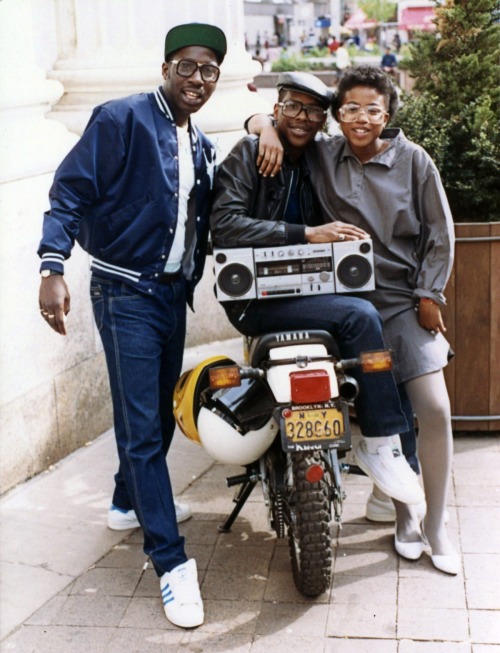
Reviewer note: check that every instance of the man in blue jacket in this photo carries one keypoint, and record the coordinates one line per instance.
(136, 193)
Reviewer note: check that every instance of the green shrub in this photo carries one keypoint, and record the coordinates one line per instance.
(295, 61)
(289, 62)
(454, 111)
(318, 52)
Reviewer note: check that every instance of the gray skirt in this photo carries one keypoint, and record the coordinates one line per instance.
(415, 350)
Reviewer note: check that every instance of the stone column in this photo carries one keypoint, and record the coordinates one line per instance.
(25, 98)
(39, 413)
(108, 51)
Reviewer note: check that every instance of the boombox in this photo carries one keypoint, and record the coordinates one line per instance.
(293, 270)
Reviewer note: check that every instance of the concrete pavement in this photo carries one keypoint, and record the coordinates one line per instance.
(70, 585)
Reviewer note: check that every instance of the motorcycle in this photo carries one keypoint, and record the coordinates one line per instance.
(285, 417)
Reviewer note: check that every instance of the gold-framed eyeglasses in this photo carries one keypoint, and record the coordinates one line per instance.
(187, 68)
(373, 113)
(292, 109)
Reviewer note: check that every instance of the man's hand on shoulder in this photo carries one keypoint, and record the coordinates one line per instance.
(54, 302)
(270, 156)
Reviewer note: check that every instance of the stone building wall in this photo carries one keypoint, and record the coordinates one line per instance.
(58, 59)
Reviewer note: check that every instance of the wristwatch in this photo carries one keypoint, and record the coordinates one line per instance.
(49, 273)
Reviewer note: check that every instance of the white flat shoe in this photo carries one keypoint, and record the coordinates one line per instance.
(408, 550)
(448, 563)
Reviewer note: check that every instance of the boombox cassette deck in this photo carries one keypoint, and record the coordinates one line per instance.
(293, 270)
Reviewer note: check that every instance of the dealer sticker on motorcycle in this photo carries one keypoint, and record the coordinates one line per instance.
(314, 427)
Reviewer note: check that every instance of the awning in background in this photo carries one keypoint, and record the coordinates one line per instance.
(359, 21)
(417, 18)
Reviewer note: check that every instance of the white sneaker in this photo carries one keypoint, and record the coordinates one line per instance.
(181, 595)
(382, 510)
(382, 460)
(122, 520)
(182, 511)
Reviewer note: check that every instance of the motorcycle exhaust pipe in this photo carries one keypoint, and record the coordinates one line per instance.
(348, 387)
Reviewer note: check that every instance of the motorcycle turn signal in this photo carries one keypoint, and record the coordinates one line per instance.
(224, 377)
(376, 361)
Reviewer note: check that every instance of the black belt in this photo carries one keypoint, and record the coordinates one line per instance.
(169, 277)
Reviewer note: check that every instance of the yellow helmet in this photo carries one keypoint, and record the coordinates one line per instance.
(187, 402)
(234, 425)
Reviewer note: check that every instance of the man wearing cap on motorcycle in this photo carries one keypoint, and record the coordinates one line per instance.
(136, 193)
(255, 211)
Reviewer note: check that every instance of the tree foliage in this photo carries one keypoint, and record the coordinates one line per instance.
(382, 10)
(454, 111)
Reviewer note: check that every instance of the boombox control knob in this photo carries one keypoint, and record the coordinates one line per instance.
(324, 276)
(365, 248)
(221, 258)
(281, 253)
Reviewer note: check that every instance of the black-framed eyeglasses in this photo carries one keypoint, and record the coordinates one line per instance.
(293, 108)
(373, 113)
(187, 68)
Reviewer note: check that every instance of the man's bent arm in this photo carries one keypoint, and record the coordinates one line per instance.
(271, 151)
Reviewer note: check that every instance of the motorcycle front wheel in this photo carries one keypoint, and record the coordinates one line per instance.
(309, 536)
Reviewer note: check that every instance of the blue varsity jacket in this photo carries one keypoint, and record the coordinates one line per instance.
(117, 194)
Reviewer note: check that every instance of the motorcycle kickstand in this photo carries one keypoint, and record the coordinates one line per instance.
(248, 482)
(338, 493)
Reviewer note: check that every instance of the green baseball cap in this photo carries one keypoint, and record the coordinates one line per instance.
(206, 36)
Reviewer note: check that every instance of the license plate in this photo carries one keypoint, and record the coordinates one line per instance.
(314, 427)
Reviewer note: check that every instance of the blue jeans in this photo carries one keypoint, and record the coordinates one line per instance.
(143, 339)
(355, 325)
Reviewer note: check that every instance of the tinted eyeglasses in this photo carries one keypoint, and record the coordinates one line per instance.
(187, 68)
(373, 113)
(292, 109)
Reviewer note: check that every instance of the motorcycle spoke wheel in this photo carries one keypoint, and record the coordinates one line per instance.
(309, 529)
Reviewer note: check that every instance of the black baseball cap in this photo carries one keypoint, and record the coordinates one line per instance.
(306, 83)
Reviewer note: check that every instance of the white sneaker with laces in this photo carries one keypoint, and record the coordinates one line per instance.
(122, 520)
(382, 460)
(181, 596)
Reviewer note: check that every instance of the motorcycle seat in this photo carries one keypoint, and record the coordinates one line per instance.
(260, 346)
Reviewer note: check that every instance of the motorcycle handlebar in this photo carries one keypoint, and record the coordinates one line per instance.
(369, 361)
(347, 364)
(252, 373)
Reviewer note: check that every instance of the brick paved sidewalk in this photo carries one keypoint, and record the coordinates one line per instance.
(70, 585)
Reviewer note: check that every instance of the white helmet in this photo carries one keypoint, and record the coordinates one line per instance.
(235, 425)
(224, 443)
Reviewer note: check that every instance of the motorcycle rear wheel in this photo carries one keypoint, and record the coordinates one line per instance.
(309, 536)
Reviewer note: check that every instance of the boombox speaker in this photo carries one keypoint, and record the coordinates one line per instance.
(354, 270)
(235, 275)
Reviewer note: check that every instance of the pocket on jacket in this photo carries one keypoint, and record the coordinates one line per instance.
(130, 232)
